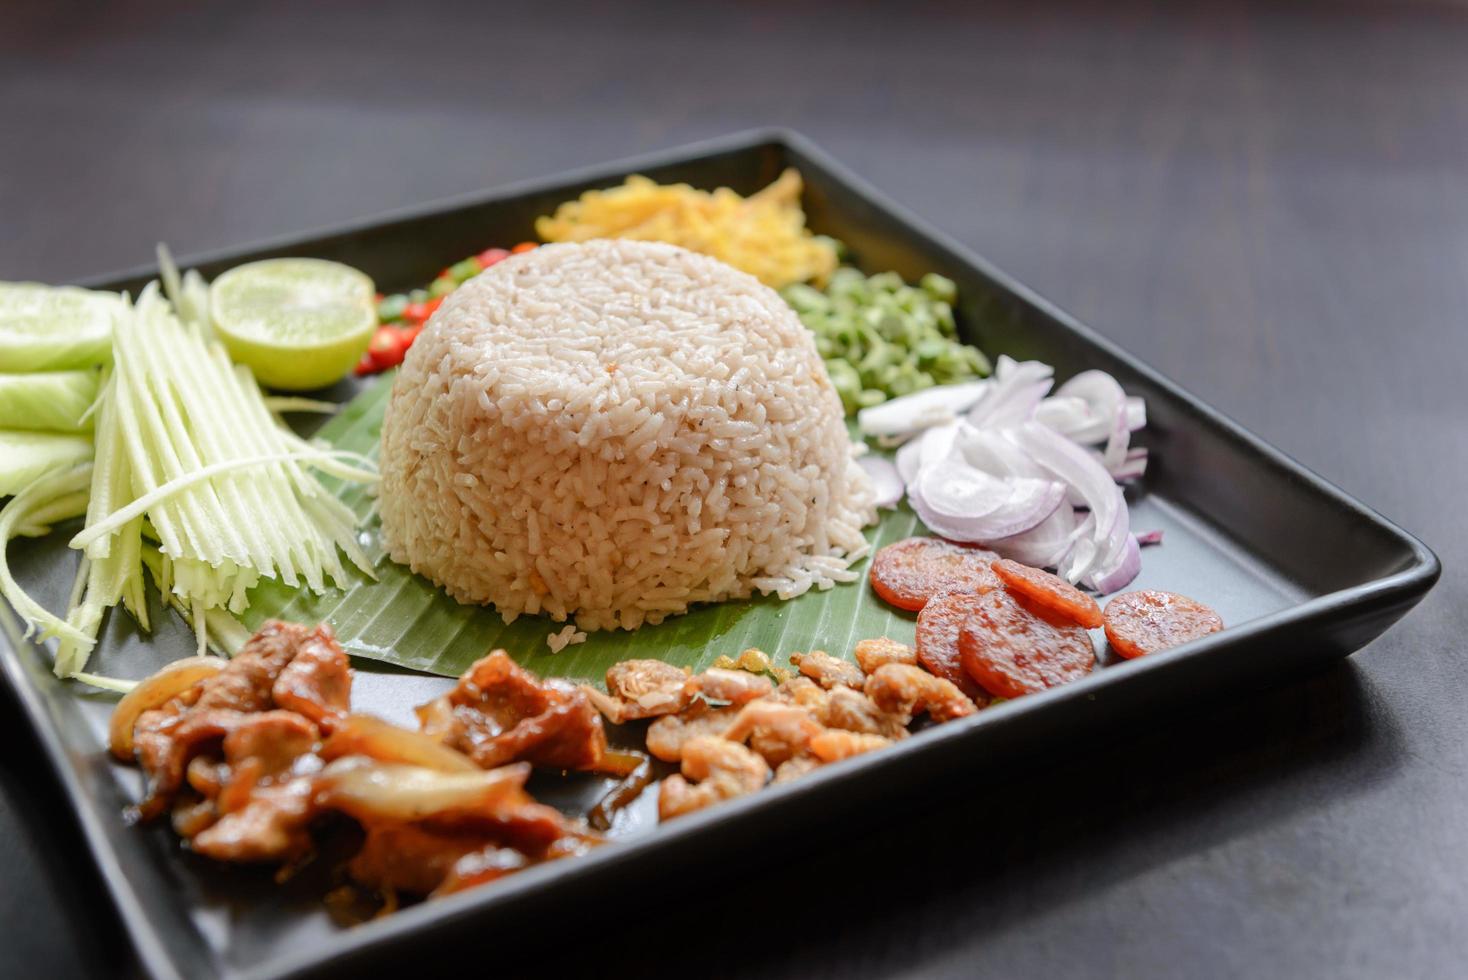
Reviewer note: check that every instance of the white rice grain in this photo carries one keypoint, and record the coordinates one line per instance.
(568, 636)
(613, 431)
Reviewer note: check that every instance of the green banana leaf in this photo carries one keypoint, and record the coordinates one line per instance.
(404, 619)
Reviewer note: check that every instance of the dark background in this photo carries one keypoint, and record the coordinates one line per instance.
(1269, 203)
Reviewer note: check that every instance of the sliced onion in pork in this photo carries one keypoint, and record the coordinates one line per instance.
(386, 742)
(384, 791)
(155, 692)
(908, 414)
(886, 481)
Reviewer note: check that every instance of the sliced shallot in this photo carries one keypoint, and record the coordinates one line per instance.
(886, 479)
(1033, 478)
(966, 504)
(902, 417)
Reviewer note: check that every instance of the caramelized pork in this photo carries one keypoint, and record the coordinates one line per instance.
(499, 713)
(271, 824)
(246, 683)
(317, 683)
(412, 858)
(196, 722)
(167, 740)
(493, 801)
(259, 749)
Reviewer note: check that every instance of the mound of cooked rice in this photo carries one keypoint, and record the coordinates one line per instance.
(613, 431)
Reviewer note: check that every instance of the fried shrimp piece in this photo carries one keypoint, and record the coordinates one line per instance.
(734, 686)
(853, 711)
(878, 651)
(795, 767)
(903, 689)
(802, 691)
(642, 689)
(714, 769)
(775, 730)
(833, 745)
(828, 671)
(667, 736)
(500, 713)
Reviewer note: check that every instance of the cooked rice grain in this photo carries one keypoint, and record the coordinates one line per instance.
(614, 431)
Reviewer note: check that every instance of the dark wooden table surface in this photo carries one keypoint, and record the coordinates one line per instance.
(1269, 203)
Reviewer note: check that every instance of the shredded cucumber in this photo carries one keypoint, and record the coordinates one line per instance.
(189, 451)
(41, 493)
(223, 633)
(48, 401)
(27, 456)
(112, 684)
(190, 455)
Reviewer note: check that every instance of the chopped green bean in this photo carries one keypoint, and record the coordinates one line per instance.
(465, 270)
(391, 308)
(881, 337)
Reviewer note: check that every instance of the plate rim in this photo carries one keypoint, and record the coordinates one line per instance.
(1403, 586)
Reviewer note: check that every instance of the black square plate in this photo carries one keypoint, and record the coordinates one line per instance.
(1299, 570)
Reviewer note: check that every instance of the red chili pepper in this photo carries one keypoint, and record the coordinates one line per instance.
(490, 256)
(524, 247)
(418, 313)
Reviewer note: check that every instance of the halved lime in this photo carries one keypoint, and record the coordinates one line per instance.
(296, 323)
(54, 328)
